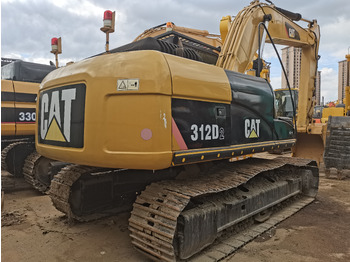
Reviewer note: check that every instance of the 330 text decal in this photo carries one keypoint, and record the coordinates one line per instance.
(27, 116)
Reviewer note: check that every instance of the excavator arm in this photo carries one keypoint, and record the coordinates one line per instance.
(241, 42)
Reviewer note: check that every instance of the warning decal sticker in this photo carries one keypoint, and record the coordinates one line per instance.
(128, 85)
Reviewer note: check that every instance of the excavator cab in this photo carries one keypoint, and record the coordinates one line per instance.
(284, 102)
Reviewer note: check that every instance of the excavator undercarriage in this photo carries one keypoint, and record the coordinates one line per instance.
(337, 147)
(39, 171)
(87, 193)
(13, 156)
(176, 213)
(177, 219)
(21, 160)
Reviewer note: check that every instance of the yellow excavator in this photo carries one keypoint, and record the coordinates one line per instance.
(155, 126)
(18, 101)
(337, 143)
(19, 88)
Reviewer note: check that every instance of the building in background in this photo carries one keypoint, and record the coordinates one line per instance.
(291, 59)
(342, 79)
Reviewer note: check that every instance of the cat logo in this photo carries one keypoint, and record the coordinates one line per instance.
(292, 32)
(61, 116)
(252, 128)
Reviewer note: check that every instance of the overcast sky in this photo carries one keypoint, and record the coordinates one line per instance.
(27, 27)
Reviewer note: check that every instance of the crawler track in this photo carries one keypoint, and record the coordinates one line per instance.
(87, 193)
(39, 171)
(6, 141)
(174, 220)
(337, 148)
(61, 188)
(28, 171)
(13, 157)
(228, 245)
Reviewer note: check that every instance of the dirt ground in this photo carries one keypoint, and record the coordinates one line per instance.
(33, 230)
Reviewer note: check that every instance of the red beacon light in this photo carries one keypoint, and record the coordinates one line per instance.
(56, 48)
(107, 18)
(169, 26)
(54, 44)
(108, 25)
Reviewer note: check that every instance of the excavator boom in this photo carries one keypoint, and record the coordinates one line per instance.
(241, 43)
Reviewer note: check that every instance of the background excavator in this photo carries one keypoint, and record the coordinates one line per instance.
(337, 108)
(155, 124)
(337, 143)
(19, 88)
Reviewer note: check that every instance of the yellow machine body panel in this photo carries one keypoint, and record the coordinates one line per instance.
(119, 88)
(18, 107)
(199, 81)
(26, 87)
(331, 111)
(7, 128)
